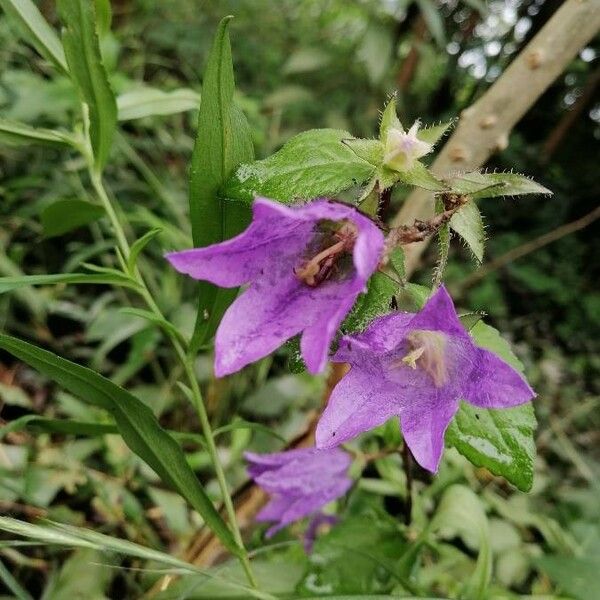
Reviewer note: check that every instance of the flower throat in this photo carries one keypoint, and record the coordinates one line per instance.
(334, 246)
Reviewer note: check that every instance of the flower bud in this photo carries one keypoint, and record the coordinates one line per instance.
(403, 149)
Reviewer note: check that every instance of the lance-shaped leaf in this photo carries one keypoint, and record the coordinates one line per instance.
(20, 134)
(312, 164)
(80, 43)
(66, 215)
(35, 30)
(150, 102)
(136, 423)
(491, 185)
(222, 142)
(500, 440)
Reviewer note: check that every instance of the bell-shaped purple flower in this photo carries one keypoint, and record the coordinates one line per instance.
(305, 266)
(418, 367)
(300, 482)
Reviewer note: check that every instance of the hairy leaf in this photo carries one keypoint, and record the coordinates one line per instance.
(312, 164)
(467, 222)
(492, 185)
(500, 440)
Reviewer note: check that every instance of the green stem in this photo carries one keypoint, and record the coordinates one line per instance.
(186, 362)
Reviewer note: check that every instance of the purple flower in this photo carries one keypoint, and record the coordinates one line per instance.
(305, 265)
(300, 482)
(418, 367)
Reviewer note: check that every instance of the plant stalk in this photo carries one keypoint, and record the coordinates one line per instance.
(186, 362)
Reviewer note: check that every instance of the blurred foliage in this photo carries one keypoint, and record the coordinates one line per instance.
(299, 65)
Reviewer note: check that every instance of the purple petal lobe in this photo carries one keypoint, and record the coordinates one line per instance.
(439, 314)
(495, 384)
(301, 482)
(274, 229)
(359, 402)
(424, 422)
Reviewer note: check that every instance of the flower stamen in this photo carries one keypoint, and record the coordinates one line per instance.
(319, 267)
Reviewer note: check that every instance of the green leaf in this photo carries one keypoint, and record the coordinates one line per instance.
(433, 133)
(499, 440)
(314, 163)
(358, 555)
(397, 261)
(136, 423)
(51, 533)
(103, 16)
(468, 224)
(80, 42)
(461, 512)
(369, 150)
(376, 302)
(150, 102)
(421, 176)
(223, 141)
(65, 426)
(138, 246)
(389, 120)
(65, 215)
(36, 30)
(169, 328)
(19, 134)
(491, 185)
(8, 284)
(577, 576)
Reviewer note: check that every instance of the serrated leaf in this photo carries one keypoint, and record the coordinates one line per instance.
(312, 164)
(19, 134)
(499, 440)
(389, 120)
(223, 141)
(374, 303)
(36, 31)
(369, 150)
(7, 284)
(433, 133)
(422, 177)
(63, 216)
(82, 50)
(136, 423)
(491, 185)
(397, 261)
(468, 224)
(150, 102)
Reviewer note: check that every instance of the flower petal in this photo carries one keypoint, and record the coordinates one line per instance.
(359, 402)
(495, 384)
(275, 229)
(439, 314)
(424, 421)
(382, 335)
